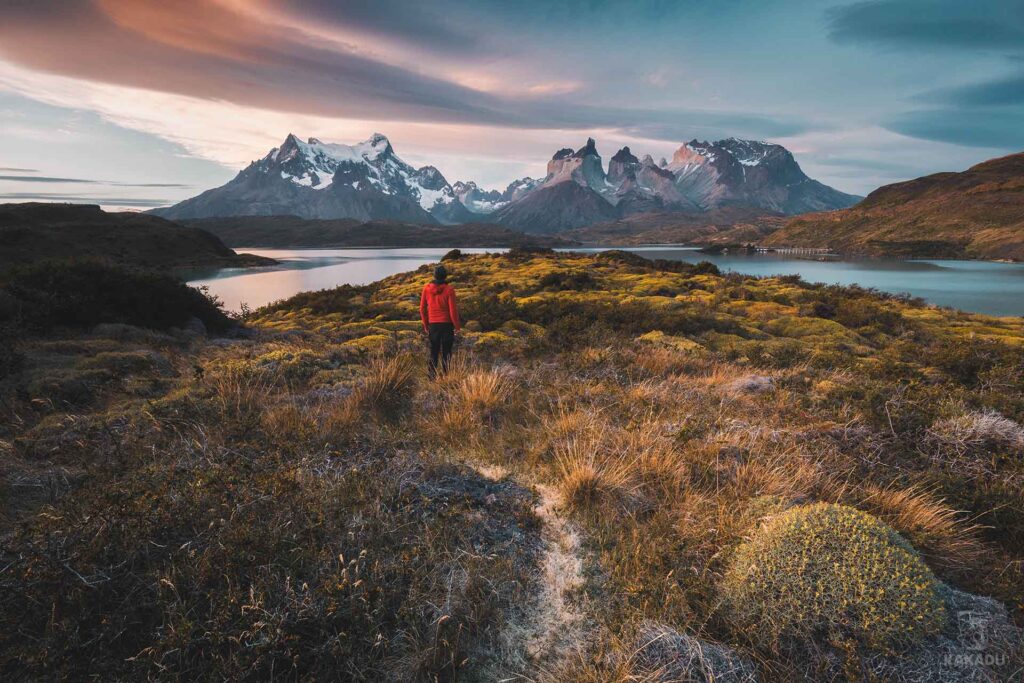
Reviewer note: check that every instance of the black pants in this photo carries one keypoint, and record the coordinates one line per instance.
(442, 339)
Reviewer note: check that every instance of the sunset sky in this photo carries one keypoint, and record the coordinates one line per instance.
(139, 103)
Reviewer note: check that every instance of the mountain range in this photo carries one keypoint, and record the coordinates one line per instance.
(368, 181)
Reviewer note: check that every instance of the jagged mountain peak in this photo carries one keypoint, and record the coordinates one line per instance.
(589, 149)
(367, 180)
(431, 178)
(625, 155)
(317, 179)
(701, 176)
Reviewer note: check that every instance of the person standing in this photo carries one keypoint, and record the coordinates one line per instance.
(439, 313)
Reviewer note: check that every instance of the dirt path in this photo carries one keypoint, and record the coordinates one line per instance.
(551, 630)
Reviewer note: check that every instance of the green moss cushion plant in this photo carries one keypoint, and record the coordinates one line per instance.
(831, 571)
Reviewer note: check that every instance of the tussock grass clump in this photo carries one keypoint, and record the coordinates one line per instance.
(239, 394)
(387, 385)
(483, 391)
(385, 391)
(976, 432)
(825, 570)
(589, 480)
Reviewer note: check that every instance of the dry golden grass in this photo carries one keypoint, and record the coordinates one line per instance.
(662, 463)
(288, 422)
(589, 479)
(240, 394)
(481, 391)
(341, 419)
(388, 382)
(934, 528)
(451, 425)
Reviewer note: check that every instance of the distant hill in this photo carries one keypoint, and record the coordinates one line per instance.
(34, 232)
(292, 231)
(978, 213)
(726, 225)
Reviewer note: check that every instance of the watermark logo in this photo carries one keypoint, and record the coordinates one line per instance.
(973, 629)
(973, 636)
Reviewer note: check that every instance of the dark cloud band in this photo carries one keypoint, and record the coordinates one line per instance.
(217, 54)
(985, 25)
(75, 199)
(83, 181)
(973, 128)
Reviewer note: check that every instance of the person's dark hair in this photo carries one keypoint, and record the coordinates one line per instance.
(440, 274)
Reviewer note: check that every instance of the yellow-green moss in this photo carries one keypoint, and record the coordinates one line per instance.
(659, 338)
(831, 570)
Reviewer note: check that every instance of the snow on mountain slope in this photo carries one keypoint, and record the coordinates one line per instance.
(314, 179)
(701, 177)
(368, 181)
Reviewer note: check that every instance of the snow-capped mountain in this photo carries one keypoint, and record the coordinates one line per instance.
(484, 202)
(476, 199)
(701, 176)
(734, 172)
(368, 181)
(314, 179)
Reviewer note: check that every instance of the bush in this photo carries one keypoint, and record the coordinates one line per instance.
(827, 570)
(525, 253)
(568, 280)
(705, 268)
(967, 360)
(856, 313)
(53, 294)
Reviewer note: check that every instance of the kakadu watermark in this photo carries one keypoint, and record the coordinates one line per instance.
(973, 636)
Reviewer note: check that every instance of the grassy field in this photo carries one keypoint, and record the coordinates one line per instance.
(635, 471)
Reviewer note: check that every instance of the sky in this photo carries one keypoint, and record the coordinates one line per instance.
(140, 103)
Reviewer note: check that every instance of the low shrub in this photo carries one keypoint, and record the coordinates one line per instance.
(830, 571)
(705, 268)
(526, 253)
(51, 294)
(568, 280)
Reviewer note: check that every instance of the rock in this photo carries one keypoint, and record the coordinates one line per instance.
(664, 655)
(752, 384)
(981, 644)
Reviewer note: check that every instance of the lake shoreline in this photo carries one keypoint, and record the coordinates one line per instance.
(973, 286)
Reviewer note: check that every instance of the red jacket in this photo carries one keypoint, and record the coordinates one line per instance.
(437, 305)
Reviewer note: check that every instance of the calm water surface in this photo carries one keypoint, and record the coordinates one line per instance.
(979, 286)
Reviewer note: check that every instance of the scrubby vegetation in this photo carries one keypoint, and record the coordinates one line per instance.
(634, 471)
(48, 294)
(832, 570)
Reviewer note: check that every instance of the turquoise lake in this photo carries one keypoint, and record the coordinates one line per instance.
(977, 286)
